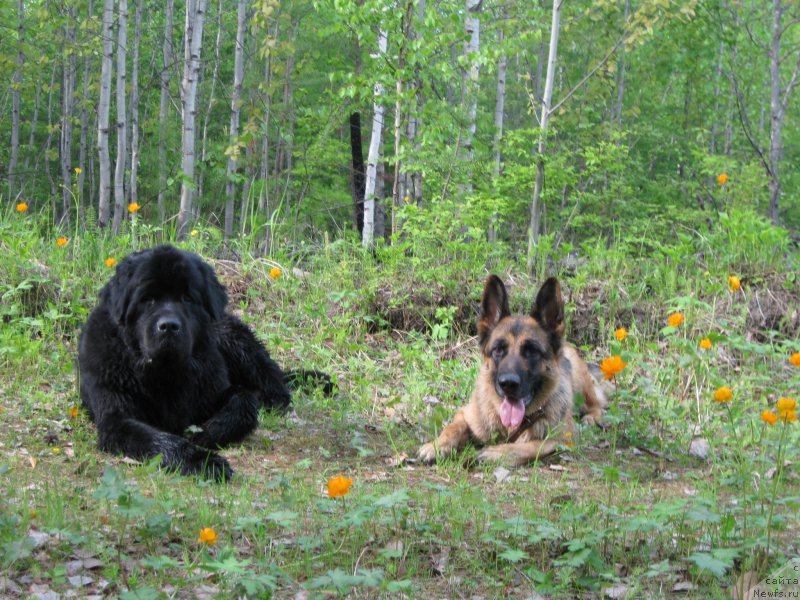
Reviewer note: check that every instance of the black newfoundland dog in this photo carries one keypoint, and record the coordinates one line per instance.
(165, 370)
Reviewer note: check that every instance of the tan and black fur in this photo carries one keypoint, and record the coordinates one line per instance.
(528, 379)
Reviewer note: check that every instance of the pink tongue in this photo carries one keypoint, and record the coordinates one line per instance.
(512, 413)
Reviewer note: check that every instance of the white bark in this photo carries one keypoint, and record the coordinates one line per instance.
(163, 108)
(211, 99)
(106, 67)
(238, 77)
(122, 131)
(776, 110)
(194, 25)
(15, 100)
(536, 209)
(471, 49)
(134, 165)
(68, 100)
(374, 152)
(499, 109)
(84, 131)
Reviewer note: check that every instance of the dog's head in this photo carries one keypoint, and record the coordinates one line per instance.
(522, 352)
(164, 301)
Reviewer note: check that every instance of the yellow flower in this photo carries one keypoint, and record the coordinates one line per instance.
(275, 272)
(722, 178)
(769, 417)
(786, 404)
(62, 241)
(795, 359)
(22, 207)
(78, 170)
(734, 283)
(788, 416)
(110, 262)
(133, 207)
(34, 514)
(612, 366)
(339, 486)
(193, 232)
(208, 536)
(56, 450)
(723, 394)
(73, 412)
(706, 344)
(675, 319)
(621, 334)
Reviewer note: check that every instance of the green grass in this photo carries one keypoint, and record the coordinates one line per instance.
(628, 506)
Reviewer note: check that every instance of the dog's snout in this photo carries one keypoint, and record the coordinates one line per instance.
(168, 324)
(509, 382)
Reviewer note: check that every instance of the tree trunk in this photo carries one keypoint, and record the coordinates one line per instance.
(133, 190)
(84, 132)
(499, 108)
(68, 100)
(536, 204)
(238, 77)
(211, 100)
(50, 129)
(776, 110)
(106, 67)
(471, 48)
(264, 197)
(359, 182)
(374, 154)
(415, 123)
(288, 95)
(195, 14)
(167, 54)
(398, 109)
(15, 100)
(122, 130)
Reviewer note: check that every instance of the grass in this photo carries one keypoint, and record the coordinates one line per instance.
(629, 510)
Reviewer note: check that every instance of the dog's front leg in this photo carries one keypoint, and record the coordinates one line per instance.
(453, 438)
(517, 454)
(234, 421)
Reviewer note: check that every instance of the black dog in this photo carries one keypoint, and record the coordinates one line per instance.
(159, 355)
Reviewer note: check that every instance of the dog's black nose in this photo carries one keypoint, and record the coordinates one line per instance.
(509, 382)
(168, 325)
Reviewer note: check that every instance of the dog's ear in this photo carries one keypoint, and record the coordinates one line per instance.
(548, 310)
(116, 294)
(494, 307)
(215, 297)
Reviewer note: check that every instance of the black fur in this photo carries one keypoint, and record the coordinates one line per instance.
(159, 354)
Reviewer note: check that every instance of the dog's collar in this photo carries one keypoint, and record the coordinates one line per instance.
(527, 421)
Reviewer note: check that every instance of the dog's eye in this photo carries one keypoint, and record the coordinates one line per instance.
(498, 352)
(147, 300)
(530, 350)
(186, 298)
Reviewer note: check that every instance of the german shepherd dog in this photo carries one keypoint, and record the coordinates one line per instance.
(528, 379)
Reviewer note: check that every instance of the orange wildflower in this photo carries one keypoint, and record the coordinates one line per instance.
(734, 283)
(62, 241)
(110, 262)
(339, 486)
(706, 344)
(675, 319)
(786, 404)
(723, 394)
(795, 359)
(134, 207)
(611, 366)
(275, 272)
(621, 334)
(208, 536)
(73, 412)
(722, 178)
(769, 417)
(22, 207)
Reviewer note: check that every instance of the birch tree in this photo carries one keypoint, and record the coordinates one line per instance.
(195, 15)
(133, 189)
(232, 151)
(472, 25)
(374, 153)
(122, 131)
(84, 130)
(106, 67)
(499, 108)
(544, 120)
(68, 100)
(397, 192)
(16, 86)
(167, 54)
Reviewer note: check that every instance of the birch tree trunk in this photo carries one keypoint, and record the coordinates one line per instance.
(50, 129)
(133, 192)
(536, 208)
(471, 48)
(288, 94)
(238, 77)
(167, 54)
(398, 110)
(106, 67)
(499, 108)
(264, 196)
(374, 154)
(195, 15)
(15, 100)
(211, 99)
(122, 131)
(84, 132)
(68, 99)
(415, 123)
(776, 110)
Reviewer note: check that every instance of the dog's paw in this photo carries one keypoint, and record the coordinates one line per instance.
(492, 454)
(208, 466)
(427, 454)
(592, 419)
